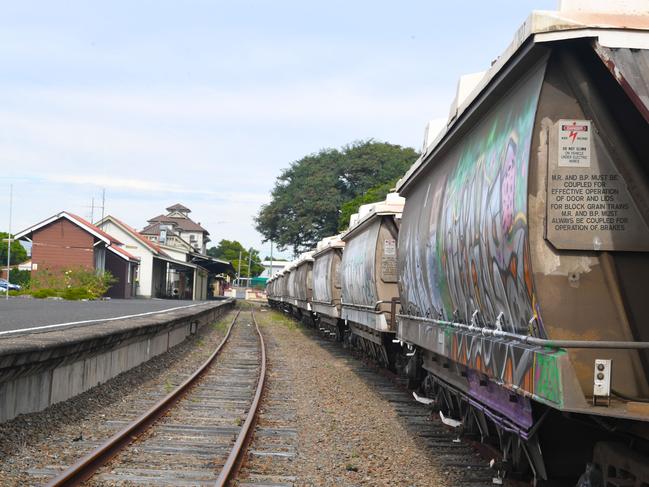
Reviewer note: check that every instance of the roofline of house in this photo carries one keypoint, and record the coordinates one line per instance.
(123, 254)
(135, 234)
(67, 216)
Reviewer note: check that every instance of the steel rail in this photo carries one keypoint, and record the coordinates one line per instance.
(87, 466)
(238, 449)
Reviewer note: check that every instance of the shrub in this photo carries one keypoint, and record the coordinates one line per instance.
(44, 293)
(78, 283)
(76, 293)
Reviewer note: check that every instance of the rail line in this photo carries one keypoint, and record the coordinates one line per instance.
(207, 406)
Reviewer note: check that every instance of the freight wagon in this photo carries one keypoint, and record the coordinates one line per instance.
(512, 286)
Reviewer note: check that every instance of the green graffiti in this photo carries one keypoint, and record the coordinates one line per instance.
(547, 378)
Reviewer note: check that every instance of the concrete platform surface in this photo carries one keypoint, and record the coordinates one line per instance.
(23, 313)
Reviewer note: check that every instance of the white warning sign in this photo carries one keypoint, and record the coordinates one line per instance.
(574, 143)
(389, 246)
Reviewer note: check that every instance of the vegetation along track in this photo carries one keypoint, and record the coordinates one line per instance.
(196, 433)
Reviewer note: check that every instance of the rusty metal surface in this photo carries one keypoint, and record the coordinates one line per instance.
(630, 68)
(589, 293)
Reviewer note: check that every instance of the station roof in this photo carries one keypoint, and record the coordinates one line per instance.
(212, 265)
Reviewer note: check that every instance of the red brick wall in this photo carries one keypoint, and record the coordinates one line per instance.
(62, 245)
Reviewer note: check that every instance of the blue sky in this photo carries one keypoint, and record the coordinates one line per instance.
(204, 103)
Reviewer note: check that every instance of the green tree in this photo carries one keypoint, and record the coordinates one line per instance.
(308, 196)
(18, 252)
(229, 250)
(372, 195)
(21, 278)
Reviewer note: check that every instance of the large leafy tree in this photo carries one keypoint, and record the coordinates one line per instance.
(308, 196)
(229, 250)
(372, 195)
(18, 252)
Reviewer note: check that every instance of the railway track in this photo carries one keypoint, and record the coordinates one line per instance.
(273, 450)
(196, 435)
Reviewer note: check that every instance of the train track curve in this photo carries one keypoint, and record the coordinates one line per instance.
(229, 383)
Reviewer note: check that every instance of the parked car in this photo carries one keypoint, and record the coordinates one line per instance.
(12, 287)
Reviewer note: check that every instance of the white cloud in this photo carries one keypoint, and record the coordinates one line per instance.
(216, 149)
(124, 184)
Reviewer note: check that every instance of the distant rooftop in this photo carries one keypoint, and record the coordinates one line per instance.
(178, 207)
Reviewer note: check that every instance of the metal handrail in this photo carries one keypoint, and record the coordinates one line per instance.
(541, 342)
(329, 303)
(360, 306)
(367, 306)
(376, 308)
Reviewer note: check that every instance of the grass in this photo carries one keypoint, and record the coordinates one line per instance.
(221, 326)
(284, 320)
(200, 342)
(168, 386)
(238, 422)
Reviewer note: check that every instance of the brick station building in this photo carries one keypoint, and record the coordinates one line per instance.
(67, 241)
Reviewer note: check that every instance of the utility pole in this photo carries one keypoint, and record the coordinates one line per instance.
(11, 198)
(92, 210)
(239, 271)
(103, 202)
(249, 265)
(270, 273)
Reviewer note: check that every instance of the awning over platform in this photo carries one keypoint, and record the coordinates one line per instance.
(212, 265)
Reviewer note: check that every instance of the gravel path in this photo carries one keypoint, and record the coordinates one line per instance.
(348, 433)
(36, 446)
